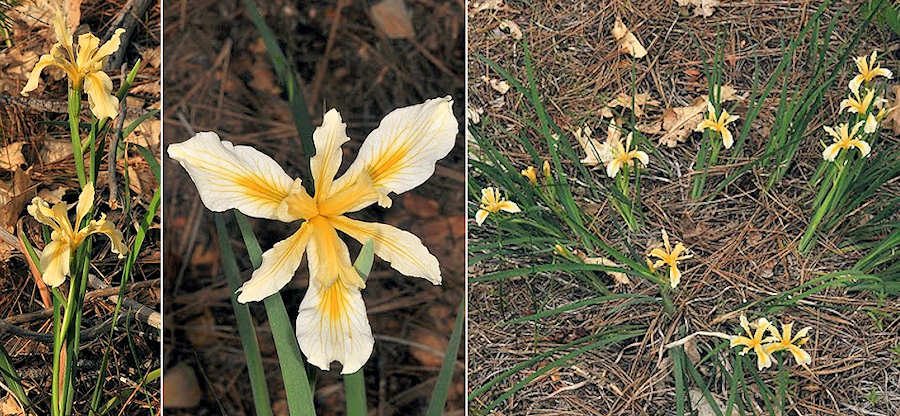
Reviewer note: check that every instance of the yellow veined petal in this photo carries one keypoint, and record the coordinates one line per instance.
(328, 139)
(530, 173)
(102, 226)
(35, 76)
(43, 214)
(353, 197)
(883, 72)
(546, 168)
(848, 104)
(741, 341)
(831, 152)
(279, 264)
(480, 216)
(98, 87)
(403, 250)
(110, 47)
(871, 124)
(87, 47)
(727, 138)
(856, 82)
(674, 276)
(240, 177)
(732, 118)
(862, 65)
(855, 129)
(85, 202)
(658, 253)
(745, 324)
(332, 326)
(832, 132)
(862, 146)
(401, 153)
(801, 334)
(509, 206)
(679, 248)
(612, 168)
(706, 124)
(328, 256)
(489, 196)
(55, 263)
(763, 359)
(61, 29)
(801, 356)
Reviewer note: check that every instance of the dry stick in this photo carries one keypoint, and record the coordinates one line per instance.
(109, 291)
(128, 18)
(323, 63)
(52, 106)
(113, 151)
(141, 312)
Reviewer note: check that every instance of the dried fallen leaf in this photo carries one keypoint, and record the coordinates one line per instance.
(488, 5)
(13, 196)
(11, 156)
(704, 8)
(894, 116)
(512, 28)
(699, 402)
(679, 122)
(628, 43)
(10, 406)
(498, 85)
(597, 153)
(619, 277)
(625, 101)
(54, 150)
(54, 196)
(393, 18)
(474, 114)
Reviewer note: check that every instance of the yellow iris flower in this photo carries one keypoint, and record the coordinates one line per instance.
(855, 104)
(531, 174)
(397, 156)
(786, 341)
(868, 70)
(66, 237)
(546, 169)
(492, 202)
(754, 341)
(621, 155)
(844, 138)
(83, 69)
(669, 256)
(718, 124)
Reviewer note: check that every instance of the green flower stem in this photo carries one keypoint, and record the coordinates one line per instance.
(821, 211)
(355, 392)
(74, 116)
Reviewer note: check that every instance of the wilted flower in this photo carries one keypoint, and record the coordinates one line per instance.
(397, 156)
(531, 174)
(66, 237)
(84, 68)
(493, 202)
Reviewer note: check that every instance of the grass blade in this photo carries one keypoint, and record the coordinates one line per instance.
(439, 394)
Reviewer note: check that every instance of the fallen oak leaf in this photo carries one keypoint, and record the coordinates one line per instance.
(628, 43)
(678, 123)
(508, 26)
(498, 85)
(619, 277)
(625, 101)
(11, 156)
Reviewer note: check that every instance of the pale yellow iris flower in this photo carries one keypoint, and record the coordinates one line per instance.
(669, 256)
(854, 104)
(868, 70)
(531, 174)
(784, 341)
(754, 341)
(492, 202)
(718, 124)
(844, 138)
(397, 156)
(84, 68)
(621, 155)
(66, 237)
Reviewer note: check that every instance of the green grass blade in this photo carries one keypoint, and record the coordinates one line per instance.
(355, 384)
(11, 379)
(445, 376)
(244, 322)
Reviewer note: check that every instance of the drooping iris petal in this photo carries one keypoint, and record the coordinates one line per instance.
(110, 47)
(279, 264)
(102, 226)
(35, 76)
(403, 250)
(98, 87)
(240, 177)
(55, 263)
(332, 326)
(328, 139)
(401, 153)
(43, 214)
